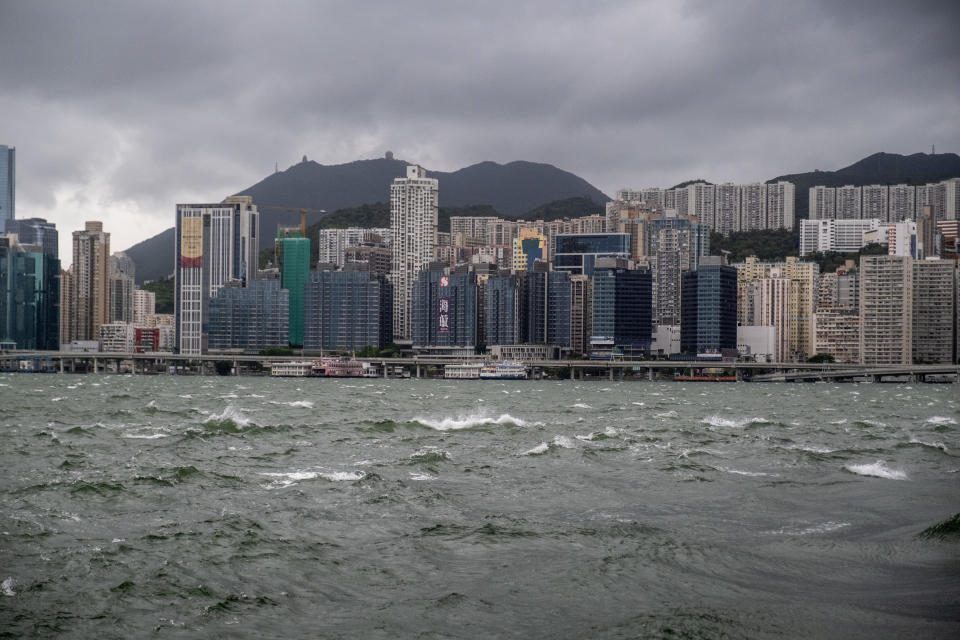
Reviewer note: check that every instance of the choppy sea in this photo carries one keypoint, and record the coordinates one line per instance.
(188, 507)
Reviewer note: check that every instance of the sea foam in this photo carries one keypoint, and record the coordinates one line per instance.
(941, 420)
(232, 413)
(540, 449)
(877, 469)
(6, 587)
(719, 421)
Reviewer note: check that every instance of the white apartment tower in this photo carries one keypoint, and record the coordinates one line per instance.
(934, 311)
(414, 207)
(849, 203)
(902, 203)
(215, 244)
(886, 310)
(823, 203)
(875, 201)
(781, 201)
(753, 206)
(726, 214)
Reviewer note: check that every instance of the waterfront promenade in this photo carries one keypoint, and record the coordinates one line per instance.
(422, 366)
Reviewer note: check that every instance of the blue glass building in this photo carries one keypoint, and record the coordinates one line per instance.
(250, 318)
(623, 309)
(38, 232)
(29, 298)
(8, 184)
(576, 253)
(347, 311)
(445, 309)
(502, 310)
(709, 308)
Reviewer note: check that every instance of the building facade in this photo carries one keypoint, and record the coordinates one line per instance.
(934, 311)
(414, 207)
(445, 311)
(29, 298)
(347, 311)
(249, 318)
(8, 185)
(886, 310)
(89, 284)
(709, 308)
(216, 244)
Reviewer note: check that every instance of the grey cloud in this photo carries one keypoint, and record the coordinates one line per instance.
(137, 105)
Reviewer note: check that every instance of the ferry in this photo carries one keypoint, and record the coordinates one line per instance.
(465, 371)
(505, 370)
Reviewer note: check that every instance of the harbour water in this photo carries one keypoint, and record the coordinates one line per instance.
(187, 507)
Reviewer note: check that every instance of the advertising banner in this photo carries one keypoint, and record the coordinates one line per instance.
(191, 242)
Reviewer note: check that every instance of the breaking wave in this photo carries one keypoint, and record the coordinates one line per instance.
(470, 421)
(719, 421)
(877, 469)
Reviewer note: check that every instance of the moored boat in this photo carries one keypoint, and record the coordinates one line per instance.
(505, 370)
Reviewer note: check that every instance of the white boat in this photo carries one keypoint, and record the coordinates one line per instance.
(505, 370)
(465, 371)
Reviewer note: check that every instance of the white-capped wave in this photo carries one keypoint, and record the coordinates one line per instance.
(58, 399)
(468, 421)
(933, 445)
(6, 587)
(840, 421)
(877, 469)
(145, 436)
(582, 405)
(422, 476)
(752, 474)
(287, 478)
(720, 421)
(235, 414)
(941, 420)
(593, 435)
(563, 441)
(306, 404)
(810, 448)
(540, 449)
(667, 414)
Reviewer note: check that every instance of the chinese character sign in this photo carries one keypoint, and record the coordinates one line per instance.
(443, 317)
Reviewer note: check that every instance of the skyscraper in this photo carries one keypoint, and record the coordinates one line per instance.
(414, 208)
(293, 254)
(622, 300)
(37, 232)
(8, 184)
(709, 308)
(215, 244)
(934, 311)
(346, 310)
(90, 284)
(29, 297)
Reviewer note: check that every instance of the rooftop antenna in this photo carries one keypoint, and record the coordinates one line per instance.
(933, 149)
(276, 167)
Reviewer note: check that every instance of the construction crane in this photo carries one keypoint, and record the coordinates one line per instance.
(303, 211)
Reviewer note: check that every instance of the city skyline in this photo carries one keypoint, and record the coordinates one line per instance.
(118, 112)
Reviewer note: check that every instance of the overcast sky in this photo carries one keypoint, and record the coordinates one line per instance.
(121, 109)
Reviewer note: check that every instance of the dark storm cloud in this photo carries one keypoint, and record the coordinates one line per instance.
(121, 109)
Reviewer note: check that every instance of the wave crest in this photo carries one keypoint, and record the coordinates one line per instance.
(877, 469)
(469, 421)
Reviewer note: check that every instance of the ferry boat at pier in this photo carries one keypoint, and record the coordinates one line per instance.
(504, 371)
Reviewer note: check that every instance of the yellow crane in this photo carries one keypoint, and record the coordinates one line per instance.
(303, 211)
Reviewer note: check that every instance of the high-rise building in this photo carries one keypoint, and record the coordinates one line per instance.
(334, 243)
(36, 232)
(502, 309)
(934, 311)
(581, 313)
(770, 307)
(216, 244)
(8, 185)
(144, 305)
(89, 295)
(622, 308)
(802, 297)
(529, 247)
(293, 256)
(753, 206)
(414, 207)
(250, 318)
(445, 311)
(837, 331)
(29, 298)
(709, 308)
(577, 253)
(849, 202)
(901, 203)
(727, 214)
(875, 201)
(781, 205)
(701, 202)
(122, 279)
(675, 245)
(347, 311)
(886, 310)
(822, 204)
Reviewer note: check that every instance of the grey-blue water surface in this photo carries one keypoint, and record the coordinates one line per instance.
(189, 507)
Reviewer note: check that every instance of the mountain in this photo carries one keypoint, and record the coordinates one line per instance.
(511, 189)
(879, 168)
